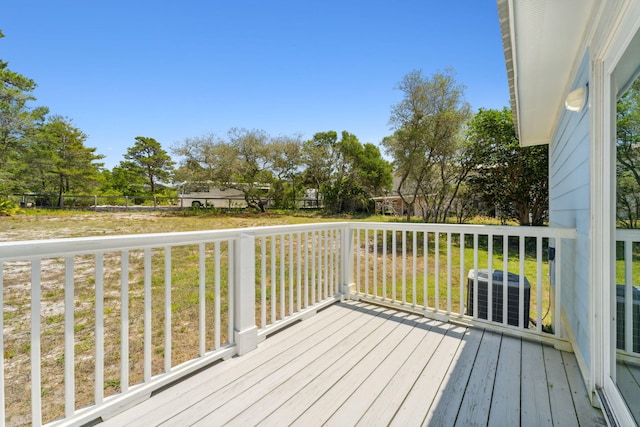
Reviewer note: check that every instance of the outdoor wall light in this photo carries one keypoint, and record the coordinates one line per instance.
(577, 99)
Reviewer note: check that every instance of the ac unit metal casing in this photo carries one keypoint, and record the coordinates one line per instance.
(620, 318)
(513, 296)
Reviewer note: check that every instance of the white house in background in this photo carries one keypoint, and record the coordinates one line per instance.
(208, 194)
(568, 62)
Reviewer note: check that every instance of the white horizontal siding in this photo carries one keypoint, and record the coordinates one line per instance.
(569, 206)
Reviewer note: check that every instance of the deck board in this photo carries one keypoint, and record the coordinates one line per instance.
(327, 372)
(474, 409)
(356, 363)
(395, 378)
(229, 404)
(387, 355)
(536, 409)
(415, 407)
(506, 389)
(444, 408)
(561, 402)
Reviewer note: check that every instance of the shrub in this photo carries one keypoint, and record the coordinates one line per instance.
(7, 207)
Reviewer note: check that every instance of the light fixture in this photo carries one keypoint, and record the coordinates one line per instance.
(577, 99)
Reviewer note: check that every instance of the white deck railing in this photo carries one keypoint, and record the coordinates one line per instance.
(393, 262)
(627, 293)
(93, 325)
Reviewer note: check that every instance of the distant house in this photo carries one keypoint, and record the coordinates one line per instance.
(208, 194)
(568, 62)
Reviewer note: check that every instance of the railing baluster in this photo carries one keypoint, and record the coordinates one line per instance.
(393, 265)
(312, 255)
(306, 269)
(340, 260)
(375, 263)
(490, 306)
(436, 270)
(216, 295)
(231, 261)
(366, 261)
(475, 279)
(384, 264)
(99, 338)
(326, 263)
(263, 281)
(299, 272)
(449, 284)
(505, 278)
(521, 284)
(69, 338)
(404, 266)
(414, 271)
(282, 277)
(336, 264)
(425, 267)
(539, 307)
(36, 381)
(124, 322)
(320, 267)
(147, 315)
(291, 273)
(167, 309)
(556, 321)
(463, 274)
(273, 281)
(628, 296)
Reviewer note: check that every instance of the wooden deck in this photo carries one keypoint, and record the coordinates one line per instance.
(358, 364)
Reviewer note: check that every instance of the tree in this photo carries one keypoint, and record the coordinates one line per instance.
(440, 190)
(426, 122)
(318, 159)
(59, 161)
(17, 120)
(147, 159)
(344, 171)
(249, 160)
(628, 156)
(512, 178)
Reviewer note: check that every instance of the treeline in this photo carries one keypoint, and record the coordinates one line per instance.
(441, 159)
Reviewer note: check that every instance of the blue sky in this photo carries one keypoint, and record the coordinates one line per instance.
(174, 70)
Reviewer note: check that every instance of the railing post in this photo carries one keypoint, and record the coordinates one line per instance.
(245, 329)
(346, 254)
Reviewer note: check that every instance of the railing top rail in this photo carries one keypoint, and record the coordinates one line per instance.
(558, 232)
(32, 249)
(628, 234)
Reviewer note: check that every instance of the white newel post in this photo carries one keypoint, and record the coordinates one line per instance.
(245, 329)
(347, 260)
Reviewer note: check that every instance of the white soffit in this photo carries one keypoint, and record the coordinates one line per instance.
(545, 38)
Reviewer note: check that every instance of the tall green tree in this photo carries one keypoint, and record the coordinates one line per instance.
(512, 178)
(427, 122)
(628, 156)
(60, 162)
(146, 158)
(346, 172)
(17, 122)
(319, 161)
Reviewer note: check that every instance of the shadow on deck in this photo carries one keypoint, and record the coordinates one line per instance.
(359, 364)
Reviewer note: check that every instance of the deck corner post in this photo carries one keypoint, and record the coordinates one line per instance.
(245, 329)
(347, 261)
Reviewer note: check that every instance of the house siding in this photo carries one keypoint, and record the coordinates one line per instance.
(569, 206)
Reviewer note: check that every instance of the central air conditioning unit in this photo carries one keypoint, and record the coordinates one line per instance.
(513, 296)
(620, 318)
